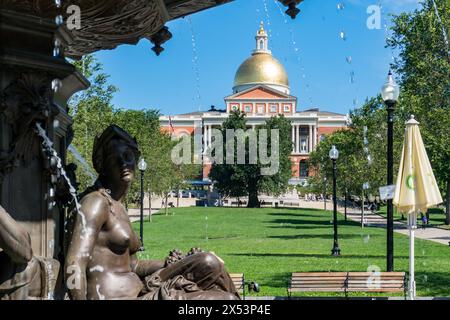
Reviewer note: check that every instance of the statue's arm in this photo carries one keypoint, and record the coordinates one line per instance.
(94, 209)
(14, 239)
(145, 268)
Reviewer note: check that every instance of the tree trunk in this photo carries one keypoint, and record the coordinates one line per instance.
(447, 204)
(253, 201)
(150, 205)
(345, 205)
(167, 195)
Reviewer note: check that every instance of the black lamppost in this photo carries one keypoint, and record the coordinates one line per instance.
(390, 92)
(142, 167)
(334, 154)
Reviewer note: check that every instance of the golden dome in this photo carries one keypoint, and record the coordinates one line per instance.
(261, 68)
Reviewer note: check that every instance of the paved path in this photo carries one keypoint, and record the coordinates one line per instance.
(375, 220)
(135, 214)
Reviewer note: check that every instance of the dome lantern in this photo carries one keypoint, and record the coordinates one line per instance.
(262, 40)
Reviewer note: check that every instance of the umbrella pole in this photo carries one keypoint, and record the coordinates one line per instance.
(412, 219)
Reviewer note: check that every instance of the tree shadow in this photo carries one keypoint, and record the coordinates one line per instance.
(317, 236)
(436, 284)
(299, 214)
(317, 223)
(315, 255)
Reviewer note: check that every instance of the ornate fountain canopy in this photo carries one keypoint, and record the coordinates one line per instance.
(105, 24)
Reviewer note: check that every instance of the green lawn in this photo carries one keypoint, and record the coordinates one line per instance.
(269, 244)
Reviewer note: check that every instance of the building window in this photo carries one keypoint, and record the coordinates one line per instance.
(273, 108)
(234, 108)
(248, 108)
(303, 145)
(286, 108)
(261, 109)
(303, 169)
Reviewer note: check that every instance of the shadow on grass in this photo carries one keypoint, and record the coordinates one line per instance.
(435, 284)
(315, 255)
(318, 236)
(278, 280)
(298, 214)
(313, 223)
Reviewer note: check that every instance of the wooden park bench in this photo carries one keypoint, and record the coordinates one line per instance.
(239, 283)
(346, 282)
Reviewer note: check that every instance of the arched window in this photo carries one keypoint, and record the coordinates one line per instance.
(303, 169)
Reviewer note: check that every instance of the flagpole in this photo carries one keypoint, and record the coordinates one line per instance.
(412, 219)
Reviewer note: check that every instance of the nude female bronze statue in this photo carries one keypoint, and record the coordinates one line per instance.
(101, 260)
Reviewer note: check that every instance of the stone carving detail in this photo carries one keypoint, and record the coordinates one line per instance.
(41, 8)
(107, 24)
(23, 103)
(159, 38)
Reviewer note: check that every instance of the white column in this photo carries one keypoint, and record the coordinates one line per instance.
(297, 141)
(209, 135)
(315, 137)
(205, 136)
(310, 138)
(293, 138)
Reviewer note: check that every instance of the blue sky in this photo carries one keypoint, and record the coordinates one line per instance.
(197, 68)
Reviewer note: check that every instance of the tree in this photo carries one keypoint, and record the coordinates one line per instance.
(353, 166)
(144, 126)
(246, 179)
(424, 69)
(92, 112)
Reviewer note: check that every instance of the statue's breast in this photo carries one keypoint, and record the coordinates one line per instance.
(118, 234)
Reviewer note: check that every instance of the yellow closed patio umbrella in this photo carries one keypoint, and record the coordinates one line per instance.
(416, 189)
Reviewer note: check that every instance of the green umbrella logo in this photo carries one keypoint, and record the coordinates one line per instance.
(410, 182)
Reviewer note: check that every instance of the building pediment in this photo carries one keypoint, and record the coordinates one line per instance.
(260, 92)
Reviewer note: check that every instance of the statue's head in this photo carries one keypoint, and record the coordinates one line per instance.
(115, 155)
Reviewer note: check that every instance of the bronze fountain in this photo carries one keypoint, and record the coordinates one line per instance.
(51, 247)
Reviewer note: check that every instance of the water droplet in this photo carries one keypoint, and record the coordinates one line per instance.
(369, 160)
(58, 3)
(56, 85)
(352, 77)
(59, 20)
(56, 51)
(340, 6)
(348, 59)
(55, 124)
(366, 238)
(342, 35)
